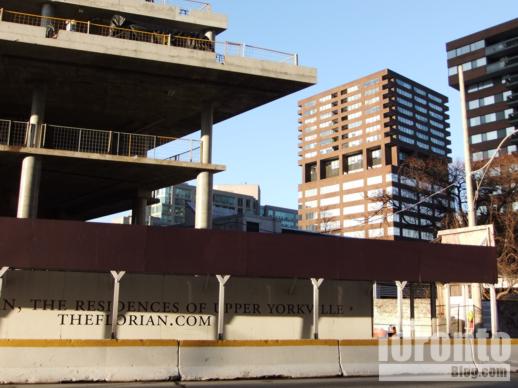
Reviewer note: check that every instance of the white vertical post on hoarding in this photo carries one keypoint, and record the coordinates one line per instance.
(412, 310)
(3, 271)
(447, 307)
(316, 304)
(400, 286)
(494, 311)
(117, 276)
(222, 280)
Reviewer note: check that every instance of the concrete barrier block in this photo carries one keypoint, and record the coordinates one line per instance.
(207, 360)
(68, 361)
(359, 357)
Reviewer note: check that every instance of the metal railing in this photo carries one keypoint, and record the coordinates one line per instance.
(56, 137)
(222, 49)
(201, 5)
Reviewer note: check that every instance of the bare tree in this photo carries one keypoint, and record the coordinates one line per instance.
(327, 220)
(430, 176)
(497, 204)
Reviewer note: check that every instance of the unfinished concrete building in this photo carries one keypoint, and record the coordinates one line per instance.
(99, 95)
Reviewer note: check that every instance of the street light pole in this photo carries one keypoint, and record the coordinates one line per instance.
(467, 155)
(476, 292)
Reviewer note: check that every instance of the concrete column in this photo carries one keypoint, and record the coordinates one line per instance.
(433, 308)
(117, 276)
(31, 165)
(39, 97)
(447, 307)
(222, 280)
(204, 180)
(400, 286)
(316, 304)
(412, 311)
(47, 10)
(494, 310)
(210, 35)
(29, 188)
(138, 212)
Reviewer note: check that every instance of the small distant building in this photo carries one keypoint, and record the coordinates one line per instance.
(177, 203)
(248, 223)
(235, 207)
(288, 218)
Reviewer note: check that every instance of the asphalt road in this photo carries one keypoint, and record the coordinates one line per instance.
(302, 383)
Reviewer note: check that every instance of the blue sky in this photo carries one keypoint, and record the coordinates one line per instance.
(344, 40)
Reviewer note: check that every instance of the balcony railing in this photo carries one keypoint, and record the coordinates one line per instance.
(506, 63)
(183, 6)
(507, 44)
(220, 49)
(56, 137)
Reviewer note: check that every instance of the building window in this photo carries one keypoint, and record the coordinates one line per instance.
(329, 189)
(353, 209)
(489, 118)
(372, 110)
(404, 93)
(330, 201)
(370, 92)
(353, 197)
(330, 168)
(252, 226)
(311, 172)
(468, 65)
(354, 163)
(376, 232)
(466, 49)
(353, 184)
(372, 119)
(374, 158)
(480, 86)
(403, 83)
(371, 82)
(410, 233)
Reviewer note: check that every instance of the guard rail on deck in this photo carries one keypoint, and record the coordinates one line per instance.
(202, 6)
(18, 134)
(221, 49)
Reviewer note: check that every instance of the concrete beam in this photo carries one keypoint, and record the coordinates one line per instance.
(82, 186)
